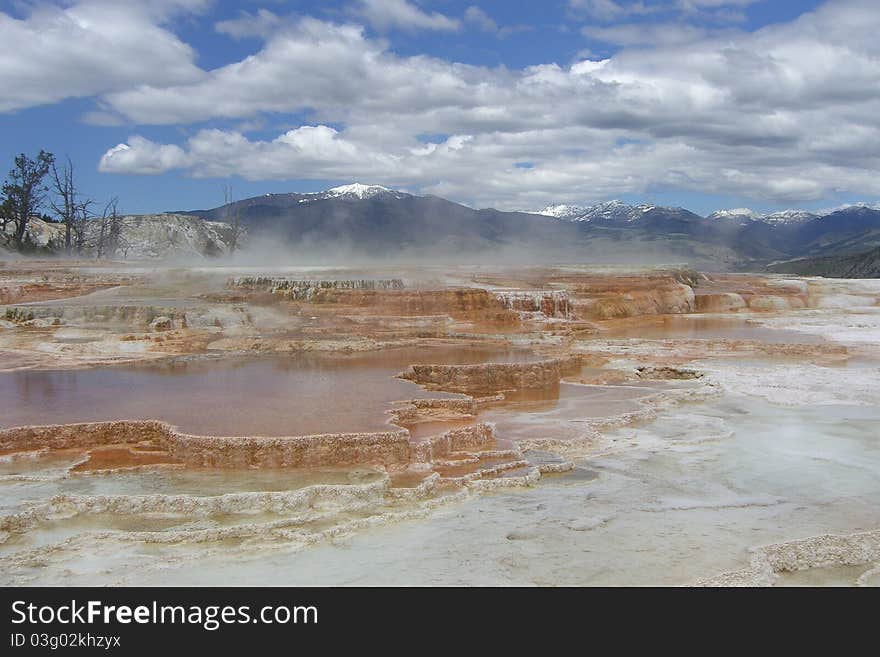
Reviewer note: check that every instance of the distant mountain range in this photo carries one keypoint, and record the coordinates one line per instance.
(782, 217)
(860, 265)
(375, 221)
(618, 211)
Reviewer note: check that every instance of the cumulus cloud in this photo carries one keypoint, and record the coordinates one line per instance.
(389, 14)
(311, 64)
(308, 151)
(481, 169)
(785, 114)
(143, 156)
(90, 47)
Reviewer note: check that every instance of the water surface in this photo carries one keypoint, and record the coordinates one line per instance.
(289, 395)
(700, 327)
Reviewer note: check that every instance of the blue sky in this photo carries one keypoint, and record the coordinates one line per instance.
(699, 103)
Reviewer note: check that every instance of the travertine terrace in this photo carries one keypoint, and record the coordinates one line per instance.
(488, 379)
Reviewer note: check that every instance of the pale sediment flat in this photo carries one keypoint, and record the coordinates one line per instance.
(679, 500)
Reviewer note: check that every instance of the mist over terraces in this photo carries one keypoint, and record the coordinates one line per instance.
(374, 221)
(360, 221)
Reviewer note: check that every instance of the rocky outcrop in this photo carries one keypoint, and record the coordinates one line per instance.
(391, 449)
(478, 436)
(669, 298)
(492, 377)
(141, 237)
(40, 235)
(312, 290)
(722, 302)
(162, 323)
(167, 236)
(433, 410)
(551, 303)
(862, 548)
(388, 296)
(156, 318)
(85, 434)
(667, 373)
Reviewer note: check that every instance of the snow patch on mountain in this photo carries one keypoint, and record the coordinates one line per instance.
(354, 191)
(744, 215)
(734, 214)
(562, 211)
(849, 206)
(358, 190)
(788, 217)
(608, 212)
(620, 212)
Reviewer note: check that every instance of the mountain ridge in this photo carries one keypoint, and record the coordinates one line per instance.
(859, 265)
(376, 221)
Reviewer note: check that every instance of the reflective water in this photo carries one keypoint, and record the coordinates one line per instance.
(676, 327)
(281, 396)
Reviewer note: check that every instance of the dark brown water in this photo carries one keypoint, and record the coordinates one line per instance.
(279, 396)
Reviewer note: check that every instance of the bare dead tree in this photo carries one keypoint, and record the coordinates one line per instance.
(81, 219)
(110, 240)
(71, 210)
(124, 246)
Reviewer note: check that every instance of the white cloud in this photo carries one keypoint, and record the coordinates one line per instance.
(311, 64)
(91, 47)
(305, 152)
(652, 34)
(785, 114)
(143, 156)
(260, 24)
(480, 18)
(389, 14)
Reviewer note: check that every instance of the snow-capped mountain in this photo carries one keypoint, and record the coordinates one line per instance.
(360, 191)
(735, 214)
(615, 212)
(856, 205)
(563, 211)
(788, 217)
(354, 191)
(375, 220)
(609, 212)
(743, 215)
